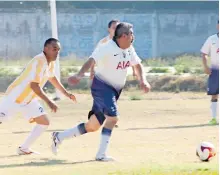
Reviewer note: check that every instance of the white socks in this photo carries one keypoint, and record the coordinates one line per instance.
(106, 134)
(72, 132)
(214, 106)
(35, 133)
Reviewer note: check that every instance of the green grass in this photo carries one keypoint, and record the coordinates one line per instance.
(67, 71)
(182, 60)
(135, 97)
(113, 169)
(73, 60)
(70, 60)
(14, 62)
(158, 62)
(182, 69)
(188, 61)
(185, 169)
(10, 71)
(159, 70)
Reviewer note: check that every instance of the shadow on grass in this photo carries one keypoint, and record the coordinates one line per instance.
(44, 162)
(173, 127)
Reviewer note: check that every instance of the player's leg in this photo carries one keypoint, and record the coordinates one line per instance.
(105, 138)
(214, 108)
(96, 118)
(7, 110)
(111, 114)
(133, 72)
(92, 125)
(213, 90)
(35, 114)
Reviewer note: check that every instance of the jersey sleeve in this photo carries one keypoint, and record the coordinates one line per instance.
(134, 57)
(98, 53)
(206, 48)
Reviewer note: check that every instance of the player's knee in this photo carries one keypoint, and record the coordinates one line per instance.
(90, 127)
(214, 98)
(112, 120)
(46, 122)
(42, 120)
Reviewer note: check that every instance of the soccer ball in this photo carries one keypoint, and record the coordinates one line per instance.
(205, 151)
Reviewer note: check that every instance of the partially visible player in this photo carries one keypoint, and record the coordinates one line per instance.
(113, 60)
(211, 48)
(111, 30)
(24, 93)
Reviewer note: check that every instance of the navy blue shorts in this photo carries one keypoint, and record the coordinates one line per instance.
(104, 100)
(213, 83)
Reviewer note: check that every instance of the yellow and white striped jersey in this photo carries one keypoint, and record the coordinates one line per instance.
(37, 70)
(103, 41)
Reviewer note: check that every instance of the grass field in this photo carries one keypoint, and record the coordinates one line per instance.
(157, 135)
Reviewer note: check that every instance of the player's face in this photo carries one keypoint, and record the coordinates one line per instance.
(128, 39)
(52, 50)
(111, 30)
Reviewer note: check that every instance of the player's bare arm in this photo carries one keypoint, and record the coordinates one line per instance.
(76, 78)
(142, 78)
(58, 85)
(92, 71)
(205, 64)
(40, 93)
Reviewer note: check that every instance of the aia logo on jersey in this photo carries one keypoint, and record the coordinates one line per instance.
(123, 65)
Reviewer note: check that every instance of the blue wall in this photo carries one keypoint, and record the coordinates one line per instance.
(161, 28)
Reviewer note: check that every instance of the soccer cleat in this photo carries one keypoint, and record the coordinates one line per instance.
(104, 158)
(213, 121)
(55, 143)
(26, 151)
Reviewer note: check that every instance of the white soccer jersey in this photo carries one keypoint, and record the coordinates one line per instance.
(113, 62)
(211, 47)
(38, 71)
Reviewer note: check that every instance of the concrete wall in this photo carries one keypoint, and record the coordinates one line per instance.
(161, 28)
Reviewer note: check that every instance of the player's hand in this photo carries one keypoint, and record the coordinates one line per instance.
(71, 97)
(145, 86)
(74, 80)
(207, 70)
(52, 106)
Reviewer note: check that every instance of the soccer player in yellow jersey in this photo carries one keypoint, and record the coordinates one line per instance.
(24, 93)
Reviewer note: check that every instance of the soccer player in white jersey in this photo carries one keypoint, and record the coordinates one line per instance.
(211, 48)
(111, 30)
(113, 60)
(24, 93)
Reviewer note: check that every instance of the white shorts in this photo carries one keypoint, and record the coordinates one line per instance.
(9, 109)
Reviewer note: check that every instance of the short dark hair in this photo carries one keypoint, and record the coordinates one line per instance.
(112, 21)
(122, 28)
(50, 40)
